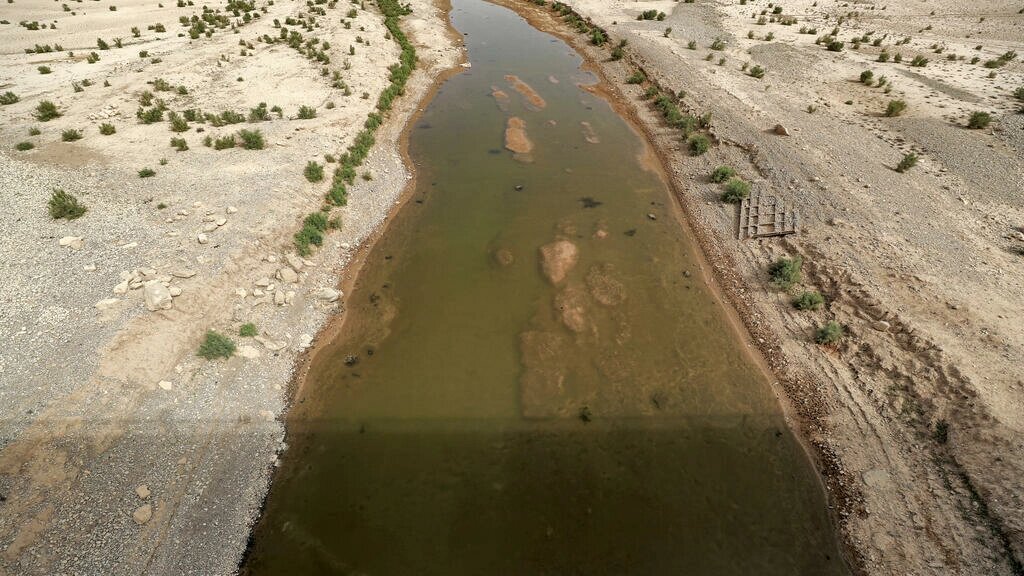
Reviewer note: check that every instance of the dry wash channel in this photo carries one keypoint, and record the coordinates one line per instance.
(533, 376)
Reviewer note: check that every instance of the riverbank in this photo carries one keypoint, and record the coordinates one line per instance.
(913, 436)
(122, 451)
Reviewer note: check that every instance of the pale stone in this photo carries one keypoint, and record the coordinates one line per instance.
(289, 297)
(121, 288)
(175, 291)
(241, 292)
(89, 267)
(263, 282)
(249, 352)
(294, 261)
(158, 297)
(183, 273)
(165, 385)
(231, 210)
(142, 514)
(288, 275)
(881, 325)
(220, 221)
(107, 303)
(272, 345)
(329, 294)
(209, 227)
(279, 298)
(73, 242)
(202, 239)
(142, 491)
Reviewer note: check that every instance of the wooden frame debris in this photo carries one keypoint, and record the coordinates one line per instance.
(764, 216)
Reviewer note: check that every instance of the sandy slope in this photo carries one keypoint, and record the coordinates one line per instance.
(98, 395)
(918, 267)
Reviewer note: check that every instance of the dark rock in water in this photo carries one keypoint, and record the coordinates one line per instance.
(686, 273)
(585, 414)
(589, 202)
(652, 216)
(351, 360)
(494, 151)
(504, 257)
(519, 187)
(631, 232)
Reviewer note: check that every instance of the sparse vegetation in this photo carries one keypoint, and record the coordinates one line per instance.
(216, 345)
(314, 172)
(979, 120)
(46, 111)
(64, 205)
(736, 190)
(70, 135)
(24, 146)
(810, 300)
(247, 330)
(224, 142)
(698, 144)
(44, 69)
(8, 98)
(895, 108)
(147, 173)
(908, 162)
(306, 112)
(179, 144)
(722, 173)
(251, 139)
(107, 129)
(637, 77)
(830, 333)
(785, 272)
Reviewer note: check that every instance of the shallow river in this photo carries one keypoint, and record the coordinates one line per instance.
(533, 377)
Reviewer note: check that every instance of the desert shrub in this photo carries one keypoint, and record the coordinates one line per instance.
(736, 190)
(147, 173)
(757, 72)
(785, 272)
(895, 108)
(224, 142)
(24, 146)
(808, 301)
(179, 144)
(149, 115)
(70, 135)
(722, 173)
(835, 46)
(312, 232)
(1018, 94)
(979, 120)
(46, 111)
(107, 129)
(908, 162)
(338, 195)
(883, 57)
(866, 77)
(101, 44)
(830, 333)
(8, 98)
(216, 345)
(306, 112)
(919, 62)
(699, 144)
(718, 44)
(44, 69)
(251, 139)
(637, 77)
(64, 205)
(178, 124)
(247, 330)
(314, 172)
(259, 113)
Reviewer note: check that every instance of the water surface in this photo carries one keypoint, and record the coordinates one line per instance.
(476, 417)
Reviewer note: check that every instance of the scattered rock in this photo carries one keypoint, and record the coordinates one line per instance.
(158, 297)
(89, 267)
(881, 325)
(557, 258)
(288, 275)
(142, 514)
(231, 210)
(175, 291)
(183, 273)
(279, 298)
(781, 130)
(202, 239)
(73, 242)
(272, 345)
(328, 294)
(165, 385)
(107, 303)
(121, 288)
(294, 261)
(142, 491)
(652, 216)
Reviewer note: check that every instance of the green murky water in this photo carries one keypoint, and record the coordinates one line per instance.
(476, 417)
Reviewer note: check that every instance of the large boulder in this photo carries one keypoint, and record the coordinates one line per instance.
(158, 297)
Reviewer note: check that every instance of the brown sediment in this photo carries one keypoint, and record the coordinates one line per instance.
(516, 139)
(526, 91)
(589, 134)
(501, 97)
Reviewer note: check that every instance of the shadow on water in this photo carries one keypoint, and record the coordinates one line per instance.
(530, 379)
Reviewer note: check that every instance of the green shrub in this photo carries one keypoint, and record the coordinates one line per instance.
(908, 162)
(808, 301)
(829, 333)
(147, 173)
(224, 142)
(338, 195)
(757, 72)
(178, 124)
(835, 46)
(24, 146)
(979, 120)
(736, 190)
(247, 330)
(722, 173)
(44, 69)
(919, 62)
(251, 139)
(637, 77)
(70, 135)
(8, 98)
(699, 144)
(866, 77)
(216, 345)
(64, 205)
(46, 111)
(149, 115)
(179, 144)
(314, 172)
(895, 108)
(785, 272)
(306, 112)
(107, 129)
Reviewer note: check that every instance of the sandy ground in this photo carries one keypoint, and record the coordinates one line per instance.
(122, 452)
(919, 268)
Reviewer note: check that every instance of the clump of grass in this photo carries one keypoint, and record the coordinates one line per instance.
(979, 120)
(46, 111)
(224, 143)
(8, 98)
(44, 69)
(251, 139)
(24, 146)
(247, 330)
(64, 205)
(757, 72)
(698, 144)
(312, 232)
(895, 108)
(216, 345)
(722, 173)
(830, 333)
(808, 301)
(107, 129)
(147, 173)
(178, 124)
(70, 135)
(736, 190)
(306, 112)
(785, 272)
(179, 144)
(314, 171)
(637, 77)
(866, 77)
(908, 162)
